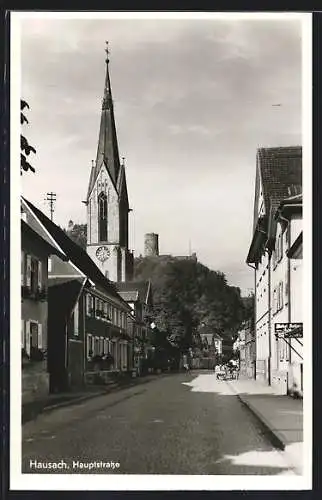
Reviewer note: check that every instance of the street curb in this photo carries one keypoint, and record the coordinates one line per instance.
(273, 435)
(71, 402)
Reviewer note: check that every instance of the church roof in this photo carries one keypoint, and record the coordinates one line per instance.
(77, 255)
(107, 148)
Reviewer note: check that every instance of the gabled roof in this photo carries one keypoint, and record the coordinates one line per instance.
(281, 172)
(62, 280)
(142, 288)
(35, 224)
(94, 175)
(129, 296)
(75, 253)
(29, 231)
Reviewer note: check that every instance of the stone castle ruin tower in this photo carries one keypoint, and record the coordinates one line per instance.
(107, 199)
(151, 245)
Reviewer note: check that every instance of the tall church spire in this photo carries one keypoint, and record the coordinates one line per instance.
(107, 149)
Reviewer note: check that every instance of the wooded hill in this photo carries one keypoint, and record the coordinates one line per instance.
(187, 294)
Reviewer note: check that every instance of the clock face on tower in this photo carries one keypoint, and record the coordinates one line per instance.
(102, 253)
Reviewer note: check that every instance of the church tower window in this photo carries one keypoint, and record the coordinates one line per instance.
(102, 217)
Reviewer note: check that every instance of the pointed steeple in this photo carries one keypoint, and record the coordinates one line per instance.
(107, 149)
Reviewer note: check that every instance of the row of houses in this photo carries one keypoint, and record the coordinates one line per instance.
(76, 325)
(271, 345)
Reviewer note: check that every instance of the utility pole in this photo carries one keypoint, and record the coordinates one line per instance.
(51, 198)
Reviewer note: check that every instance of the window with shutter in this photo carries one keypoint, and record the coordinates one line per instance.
(22, 268)
(22, 333)
(39, 284)
(40, 338)
(88, 304)
(76, 319)
(34, 334)
(34, 275)
(27, 338)
(28, 271)
(89, 345)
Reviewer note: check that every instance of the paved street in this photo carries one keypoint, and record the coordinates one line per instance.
(175, 424)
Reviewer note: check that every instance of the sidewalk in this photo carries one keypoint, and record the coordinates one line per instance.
(281, 417)
(32, 409)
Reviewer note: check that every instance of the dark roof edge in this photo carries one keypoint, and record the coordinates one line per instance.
(25, 227)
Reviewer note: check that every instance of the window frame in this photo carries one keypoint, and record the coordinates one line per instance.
(102, 212)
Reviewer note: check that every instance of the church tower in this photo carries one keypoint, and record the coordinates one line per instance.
(107, 199)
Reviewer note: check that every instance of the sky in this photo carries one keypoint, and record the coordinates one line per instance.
(193, 101)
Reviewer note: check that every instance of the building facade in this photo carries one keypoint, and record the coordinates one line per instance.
(287, 294)
(35, 251)
(278, 176)
(138, 296)
(246, 344)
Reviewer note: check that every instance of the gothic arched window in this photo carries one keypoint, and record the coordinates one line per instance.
(102, 217)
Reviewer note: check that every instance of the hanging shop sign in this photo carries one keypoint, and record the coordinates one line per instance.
(289, 330)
